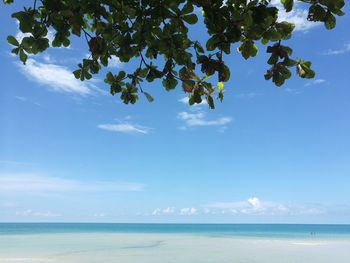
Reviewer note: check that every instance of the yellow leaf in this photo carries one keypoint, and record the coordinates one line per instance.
(220, 86)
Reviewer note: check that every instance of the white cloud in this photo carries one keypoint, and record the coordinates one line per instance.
(31, 213)
(8, 204)
(48, 58)
(343, 50)
(199, 119)
(249, 95)
(184, 100)
(164, 211)
(156, 212)
(251, 207)
(50, 36)
(114, 62)
(169, 210)
(38, 184)
(206, 210)
(255, 202)
(99, 215)
(298, 16)
(293, 91)
(188, 211)
(315, 82)
(125, 128)
(55, 77)
(254, 206)
(21, 98)
(16, 163)
(19, 36)
(319, 81)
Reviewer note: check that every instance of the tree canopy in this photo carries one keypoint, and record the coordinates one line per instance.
(156, 32)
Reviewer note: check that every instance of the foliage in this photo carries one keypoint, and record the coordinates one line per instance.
(157, 33)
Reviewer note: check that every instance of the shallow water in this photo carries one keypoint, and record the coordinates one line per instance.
(181, 247)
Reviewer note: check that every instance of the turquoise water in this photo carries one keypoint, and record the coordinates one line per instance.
(173, 243)
(238, 230)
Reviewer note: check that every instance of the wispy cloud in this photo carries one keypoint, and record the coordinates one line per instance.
(39, 184)
(254, 206)
(100, 215)
(54, 77)
(340, 51)
(315, 82)
(248, 95)
(31, 213)
(15, 163)
(26, 100)
(188, 211)
(8, 205)
(185, 100)
(19, 36)
(125, 128)
(164, 211)
(298, 16)
(199, 119)
(21, 98)
(291, 91)
(114, 62)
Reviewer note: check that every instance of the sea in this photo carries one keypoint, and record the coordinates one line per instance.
(181, 243)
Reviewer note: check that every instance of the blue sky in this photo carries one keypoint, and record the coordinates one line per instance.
(72, 152)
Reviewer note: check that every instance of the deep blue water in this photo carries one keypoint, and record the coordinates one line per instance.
(239, 230)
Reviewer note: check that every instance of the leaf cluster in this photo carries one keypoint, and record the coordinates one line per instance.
(156, 32)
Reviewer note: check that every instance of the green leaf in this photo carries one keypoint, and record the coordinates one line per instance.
(12, 40)
(15, 50)
(210, 102)
(77, 73)
(23, 56)
(121, 75)
(109, 78)
(191, 19)
(248, 49)
(188, 85)
(148, 96)
(188, 8)
(25, 20)
(66, 42)
(304, 71)
(39, 45)
(169, 83)
(220, 96)
(143, 72)
(224, 73)
(197, 97)
(198, 47)
(115, 88)
(330, 21)
(212, 42)
(288, 4)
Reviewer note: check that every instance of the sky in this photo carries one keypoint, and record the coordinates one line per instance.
(71, 152)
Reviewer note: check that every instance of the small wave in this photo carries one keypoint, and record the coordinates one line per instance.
(309, 243)
(153, 245)
(145, 246)
(23, 260)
